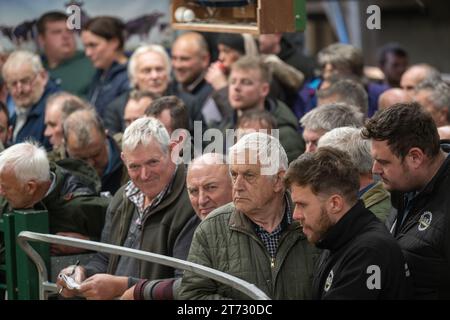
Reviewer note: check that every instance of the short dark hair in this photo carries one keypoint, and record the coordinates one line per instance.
(51, 16)
(404, 126)
(178, 112)
(393, 48)
(108, 28)
(326, 171)
(263, 117)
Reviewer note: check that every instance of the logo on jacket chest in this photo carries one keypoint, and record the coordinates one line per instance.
(425, 221)
(328, 281)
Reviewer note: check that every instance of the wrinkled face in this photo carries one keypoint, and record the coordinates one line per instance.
(227, 55)
(149, 168)
(188, 62)
(246, 89)
(311, 138)
(135, 109)
(25, 85)
(439, 115)
(310, 210)
(394, 67)
(411, 78)
(53, 125)
(95, 153)
(18, 194)
(151, 73)
(57, 40)
(209, 187)
(251, 191)
(394, 172)
(100, 51)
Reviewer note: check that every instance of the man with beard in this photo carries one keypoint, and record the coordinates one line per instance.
(361, 260)
(411, 161)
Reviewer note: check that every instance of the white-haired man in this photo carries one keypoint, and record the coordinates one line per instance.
(254, 237)
(29, 181)
(209, 187)
(375, 197)
(29, 86)
(327, 117)
(147, 213)
(148, 70)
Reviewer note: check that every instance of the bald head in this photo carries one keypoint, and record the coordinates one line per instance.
(415, 74)
(190, 57)
(444, 132)
(393, 96)
(209, 184)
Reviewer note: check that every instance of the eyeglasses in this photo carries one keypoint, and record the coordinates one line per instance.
(24, 82)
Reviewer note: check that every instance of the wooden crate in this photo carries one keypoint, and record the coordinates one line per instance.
(264, 16)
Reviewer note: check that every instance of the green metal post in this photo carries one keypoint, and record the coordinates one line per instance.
(27, 276)
(9, 239)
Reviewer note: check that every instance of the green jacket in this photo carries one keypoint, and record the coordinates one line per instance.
(226, 241)
(161, 226)
(378, 200)
(74, 204)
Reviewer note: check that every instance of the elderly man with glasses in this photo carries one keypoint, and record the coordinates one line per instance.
(29, 86)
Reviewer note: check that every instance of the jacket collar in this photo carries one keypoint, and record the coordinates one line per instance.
(346, 228)
(440, 174)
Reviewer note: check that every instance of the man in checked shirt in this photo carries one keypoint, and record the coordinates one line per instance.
(147, 213)
(254, 237)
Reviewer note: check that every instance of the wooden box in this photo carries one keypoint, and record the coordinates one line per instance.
(258, 17)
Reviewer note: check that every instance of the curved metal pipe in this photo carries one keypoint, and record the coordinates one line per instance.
(245, 287)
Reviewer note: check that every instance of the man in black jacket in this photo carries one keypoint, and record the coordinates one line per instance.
(410, 160)
(361, 260)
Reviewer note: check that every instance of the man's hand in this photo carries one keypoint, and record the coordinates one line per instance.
(128, 294)
(59, 249)
(103, 287)
(77, 273)
(216, 77)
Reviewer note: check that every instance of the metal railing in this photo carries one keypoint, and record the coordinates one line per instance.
(45, 286)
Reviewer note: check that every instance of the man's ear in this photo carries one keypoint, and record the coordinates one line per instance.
(278, 181)
(122, 156)
(31, 187)
(335, 204)
(415, 157)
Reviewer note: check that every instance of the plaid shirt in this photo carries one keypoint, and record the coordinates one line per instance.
(138, 197)
(271, 240)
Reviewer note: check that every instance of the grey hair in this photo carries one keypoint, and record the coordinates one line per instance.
(142, 131)
(348, 139)
(440, 93)
(343, 57)
(27, 160)
(69, 103)
(22, 57)
(349, 91)
(263, 147)
(143, 49)
(80, 123)
(330, 116)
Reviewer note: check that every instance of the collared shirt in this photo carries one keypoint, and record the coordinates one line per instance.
(271, 239)
(53, 185)
(126, 265)
(189, 88)
(21, 119)
(138, 197)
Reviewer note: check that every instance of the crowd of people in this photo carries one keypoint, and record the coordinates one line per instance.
(333, 186)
